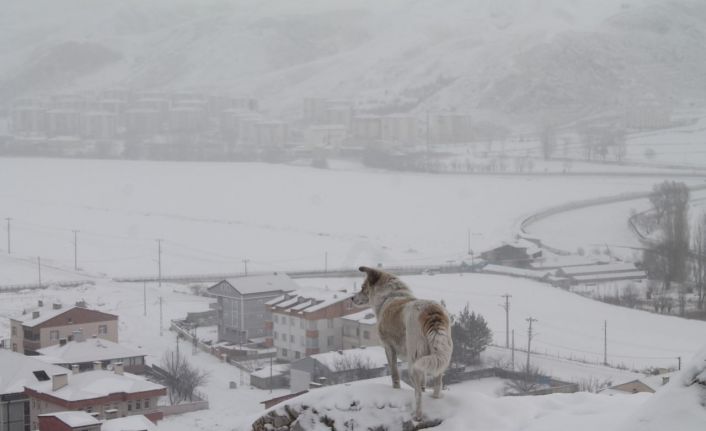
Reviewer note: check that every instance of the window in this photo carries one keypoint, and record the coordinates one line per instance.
(275, 334)
(329, 323)
(284, 337)
(14, 331)
(357, 332)
(291, 338)
(138, 405)
(147, 403)
(102, 329)
(366, 335)
(275, 318)
(329, 340)
(291, 321)
(129, 406)
(297, 355)
(14, 347)
(302, 323)
(53, 335)
(284, 352)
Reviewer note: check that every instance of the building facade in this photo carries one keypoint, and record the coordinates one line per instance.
(360, 330)
(48, 325)
(242, 313)
(306, 322)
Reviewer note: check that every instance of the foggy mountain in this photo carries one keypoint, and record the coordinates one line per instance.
(498, 60)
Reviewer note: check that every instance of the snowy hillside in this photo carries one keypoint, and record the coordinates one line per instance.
(494, 58)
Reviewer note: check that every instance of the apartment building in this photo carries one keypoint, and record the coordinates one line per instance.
(48, 324)
(306, 322)
(242, 313)
(106, 394)
(359, 330)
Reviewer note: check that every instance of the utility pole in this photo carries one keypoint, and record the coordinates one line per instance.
(513, 351)
(160, 317)
(469, 242)
(39, 270)
(241, 373)
(75, 250)
(326, 262)
(679, 366)
(177, 341)
(159, 262)
(245, 262)
(9, 250)
(144, 298)
(605, 342)
(529, 340)
(507, 318)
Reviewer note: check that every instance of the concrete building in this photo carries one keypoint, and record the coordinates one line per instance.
(107, 394)
(84, 353)
(46, 326)
(305, 322)
(360, 330)
(338, 367)
(242, 313)
(16, 371)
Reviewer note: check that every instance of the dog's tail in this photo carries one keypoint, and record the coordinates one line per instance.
(435, 325)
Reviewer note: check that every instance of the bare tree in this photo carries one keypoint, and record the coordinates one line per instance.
(181, 377)
(524, 381)
(355, 367)
(699, 270)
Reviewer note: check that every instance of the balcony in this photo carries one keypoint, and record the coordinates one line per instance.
(312, 333)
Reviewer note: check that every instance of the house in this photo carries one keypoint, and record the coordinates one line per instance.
(242, 313)
(516, 254)
(107, 394)
(82, 421)
(47, 325)
(273, 376)
(16, 371)
(337, 367)
(85, 352)
(304, 322)
(649, 384)
(359, 329)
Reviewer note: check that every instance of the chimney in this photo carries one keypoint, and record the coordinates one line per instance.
(58, 381)
(40, 303)
(97, 365)
(74, 369)
(56, 306)
(118, 368)
(35, 314)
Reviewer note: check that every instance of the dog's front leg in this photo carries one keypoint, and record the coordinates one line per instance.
(417, 380)
(392, 363)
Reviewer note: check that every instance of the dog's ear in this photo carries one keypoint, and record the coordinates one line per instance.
(372, 273)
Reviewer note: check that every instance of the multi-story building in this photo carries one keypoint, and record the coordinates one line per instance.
(359, 330)
(16, 371)
(84, 353)
(242, 314)
(107, 394)
(305, 322)
(47, 325)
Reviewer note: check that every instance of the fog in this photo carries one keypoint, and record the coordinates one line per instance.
(544, 155)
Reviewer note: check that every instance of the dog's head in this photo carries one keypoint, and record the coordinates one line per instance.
(364, 297)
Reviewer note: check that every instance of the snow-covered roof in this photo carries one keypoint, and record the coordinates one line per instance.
(47, 313)
(92, 349)
(129, 423)
(74, 419)
(261, 283)
(308, 300)
(610, 276)
(553, 261)
(277, 369)
(95, 384)
(342, 360)
(17, 371)
(518, 272)
(597, 269)
(366, 317)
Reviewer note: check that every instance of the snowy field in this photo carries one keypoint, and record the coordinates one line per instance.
(277, 217)
(568, 325)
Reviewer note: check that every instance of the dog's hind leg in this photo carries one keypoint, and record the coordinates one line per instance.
(438, 383)
(392, 363)
(417, 379)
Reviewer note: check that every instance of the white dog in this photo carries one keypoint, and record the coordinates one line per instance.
(417, 330)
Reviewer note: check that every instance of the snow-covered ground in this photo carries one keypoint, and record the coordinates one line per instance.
(277, 217)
